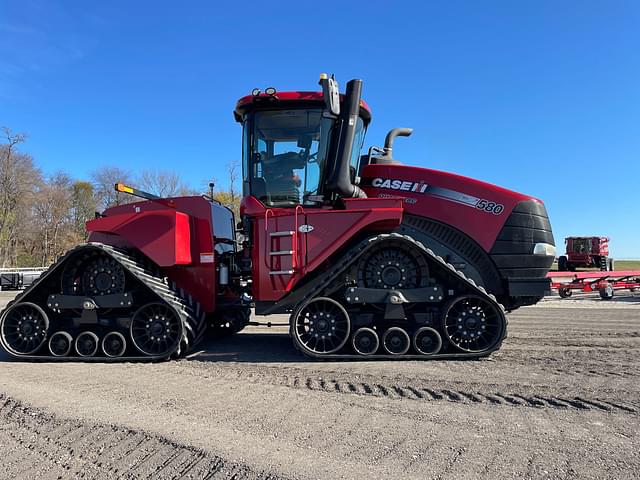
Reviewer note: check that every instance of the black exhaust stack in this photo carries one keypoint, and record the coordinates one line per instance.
(340, 179)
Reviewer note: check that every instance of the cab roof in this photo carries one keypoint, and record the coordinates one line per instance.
(289, 99)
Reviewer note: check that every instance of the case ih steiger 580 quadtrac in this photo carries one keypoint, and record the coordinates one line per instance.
(369, 257)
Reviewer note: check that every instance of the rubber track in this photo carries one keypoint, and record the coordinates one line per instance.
(327, 279)
(190, 312)
(79, 449)
(380, 389)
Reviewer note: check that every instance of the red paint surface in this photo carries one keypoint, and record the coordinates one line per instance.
(245, 102)
(482, 226)
(594, 281)
(172, 233)
(599, 246)
(162, 235)
(593, 275)
(332, 229)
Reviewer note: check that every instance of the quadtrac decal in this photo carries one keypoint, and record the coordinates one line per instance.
(444, 193)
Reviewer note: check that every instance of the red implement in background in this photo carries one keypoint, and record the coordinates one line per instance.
(603, 282)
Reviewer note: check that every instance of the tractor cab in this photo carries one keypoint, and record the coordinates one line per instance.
(301, 201)
(295, 145)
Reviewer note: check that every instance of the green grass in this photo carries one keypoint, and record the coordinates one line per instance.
(627, 265)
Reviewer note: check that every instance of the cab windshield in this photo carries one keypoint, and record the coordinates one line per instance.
(285, 156)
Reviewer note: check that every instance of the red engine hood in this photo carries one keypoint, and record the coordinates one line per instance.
(478, 209)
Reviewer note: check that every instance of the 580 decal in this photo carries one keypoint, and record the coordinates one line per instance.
(491, 207)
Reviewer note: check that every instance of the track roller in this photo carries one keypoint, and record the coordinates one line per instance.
(427, 341)
(320, 326)
(87, 344)
(114, 344)
(60, 344)
(24, 328)
(396, 341)
(365, 341)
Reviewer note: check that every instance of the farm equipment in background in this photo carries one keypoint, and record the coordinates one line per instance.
(10, 281)
(369, 257)
(586, 252)
(18, 278)
(603, 283)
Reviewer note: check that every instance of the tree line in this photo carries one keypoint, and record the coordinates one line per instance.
(43, 216)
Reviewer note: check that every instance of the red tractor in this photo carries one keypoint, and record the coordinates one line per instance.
(368, 256)
(586, 252)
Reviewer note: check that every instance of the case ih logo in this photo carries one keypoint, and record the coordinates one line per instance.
(403, 185)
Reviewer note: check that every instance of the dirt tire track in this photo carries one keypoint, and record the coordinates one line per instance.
(418, 392)
(558, 401)
(72, 449)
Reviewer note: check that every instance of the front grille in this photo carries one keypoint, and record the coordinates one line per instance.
(512, 252)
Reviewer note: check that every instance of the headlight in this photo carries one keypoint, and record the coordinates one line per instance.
(544, 249)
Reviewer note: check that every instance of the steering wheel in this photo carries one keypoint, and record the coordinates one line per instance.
(312, 157)
(306, 196)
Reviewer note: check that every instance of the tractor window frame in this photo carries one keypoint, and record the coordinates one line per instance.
(312, 171)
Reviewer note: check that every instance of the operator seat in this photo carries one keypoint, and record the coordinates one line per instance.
(259, 190)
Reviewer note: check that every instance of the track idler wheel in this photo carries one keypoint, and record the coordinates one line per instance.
(114, 344)
(427, 341)
(24, 328)
(156, 329)
(396, 341)
(87, 344)
(320, 326)
(472, 324)
(365, 341)
(60, 344)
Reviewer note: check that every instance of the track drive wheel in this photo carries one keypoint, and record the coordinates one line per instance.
(93, 274)
(156, 329)
(320, 326)
(473, 324)
(393, 265)
(24, 328)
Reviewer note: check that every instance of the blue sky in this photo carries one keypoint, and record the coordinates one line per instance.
(541, 97)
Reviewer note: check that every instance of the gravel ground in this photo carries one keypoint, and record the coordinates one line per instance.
(560, 400)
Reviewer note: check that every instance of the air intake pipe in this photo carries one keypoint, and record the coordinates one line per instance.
(391, 136)
(340, 178)
(387, 152)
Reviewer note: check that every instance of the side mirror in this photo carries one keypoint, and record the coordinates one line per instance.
(331, 94)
